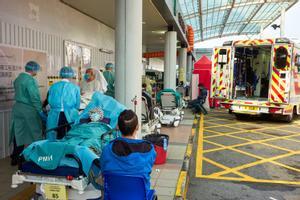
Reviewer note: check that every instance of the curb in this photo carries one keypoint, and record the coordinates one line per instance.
(183, 179)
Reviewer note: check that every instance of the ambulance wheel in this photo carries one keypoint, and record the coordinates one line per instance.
(176, 123)
(288, 118)
(241, 116)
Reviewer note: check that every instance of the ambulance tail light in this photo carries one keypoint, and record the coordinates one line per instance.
(227, 106)
(275, 110)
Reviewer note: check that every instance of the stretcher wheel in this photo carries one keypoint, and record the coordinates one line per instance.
(176, 123)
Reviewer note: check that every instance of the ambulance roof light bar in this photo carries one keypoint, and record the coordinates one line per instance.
(227, 43)
(282, 40)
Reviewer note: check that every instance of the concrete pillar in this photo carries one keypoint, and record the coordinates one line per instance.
(128, 45)
(282, 22)
(182, 64)
(189, 68)
(170, 60)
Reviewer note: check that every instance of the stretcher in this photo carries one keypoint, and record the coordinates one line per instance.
(69, 174)
(171, 107)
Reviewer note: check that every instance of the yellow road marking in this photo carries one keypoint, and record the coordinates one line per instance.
(224, 167)
(189, 150)
(247, 143)
(199, 156)
(252, 180)
(261, 160)
(186, 187)
(181, 179)
(251, 164)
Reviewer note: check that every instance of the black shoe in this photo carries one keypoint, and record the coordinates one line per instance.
(14, 161)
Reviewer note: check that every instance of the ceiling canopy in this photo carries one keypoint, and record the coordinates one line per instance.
(220, 18)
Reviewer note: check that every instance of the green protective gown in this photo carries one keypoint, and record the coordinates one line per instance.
(26, 125)
(110, 79)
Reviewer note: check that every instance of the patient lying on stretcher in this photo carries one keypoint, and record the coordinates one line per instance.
(85, 140)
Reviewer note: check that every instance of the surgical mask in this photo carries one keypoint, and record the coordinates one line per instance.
(95, 117)
(86, 77)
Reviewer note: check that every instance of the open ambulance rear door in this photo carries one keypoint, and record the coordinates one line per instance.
(279, 91)
(221, 80)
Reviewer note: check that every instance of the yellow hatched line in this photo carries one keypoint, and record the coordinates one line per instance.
(252, 180)
(260, 161)
(256, 163)
(247, 143)
(250, 140)
(220, 134)
(199, 157)
(224, 125)
(227, 134)
(247, 131)
(278, 137)
(225, 168)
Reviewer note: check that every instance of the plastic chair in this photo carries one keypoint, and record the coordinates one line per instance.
(126, 187)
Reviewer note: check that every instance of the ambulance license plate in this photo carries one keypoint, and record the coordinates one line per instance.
(250, 108)
(58, 192)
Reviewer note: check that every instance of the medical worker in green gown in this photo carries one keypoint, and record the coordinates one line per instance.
(64, 101)
(110, 79)
(26, 125)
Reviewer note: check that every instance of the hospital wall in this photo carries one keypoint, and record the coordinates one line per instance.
(43, 25)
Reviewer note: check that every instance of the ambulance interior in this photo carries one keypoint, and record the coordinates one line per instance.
(251, 74)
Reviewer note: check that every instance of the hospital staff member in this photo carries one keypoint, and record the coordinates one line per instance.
(26, 126)
(64, 101)
(93, 81)
(110, 79)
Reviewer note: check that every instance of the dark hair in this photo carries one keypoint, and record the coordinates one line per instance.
(144, 85)
(127, 122)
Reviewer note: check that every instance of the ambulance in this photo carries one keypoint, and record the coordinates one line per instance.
(256, 77)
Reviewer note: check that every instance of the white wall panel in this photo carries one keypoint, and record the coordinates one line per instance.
(4, 128)
(48, 35)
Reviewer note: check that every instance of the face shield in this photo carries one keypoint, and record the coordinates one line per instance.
(96, 114)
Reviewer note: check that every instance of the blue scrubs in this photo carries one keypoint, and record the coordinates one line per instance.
(63, 96)
(129, 156)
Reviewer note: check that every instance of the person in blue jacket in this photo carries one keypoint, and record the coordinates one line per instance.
(64, 101)
(126, 154)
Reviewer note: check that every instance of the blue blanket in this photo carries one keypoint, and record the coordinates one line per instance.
(83, 141)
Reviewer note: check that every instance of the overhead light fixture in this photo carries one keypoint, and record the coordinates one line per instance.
(159, 32)
(106, 51)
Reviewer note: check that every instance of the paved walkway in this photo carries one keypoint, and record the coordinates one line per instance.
(6, 171)
(164, 177)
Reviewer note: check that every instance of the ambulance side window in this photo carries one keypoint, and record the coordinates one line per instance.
(281, 58)
(222, 59)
